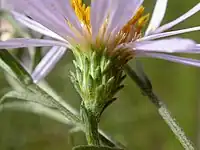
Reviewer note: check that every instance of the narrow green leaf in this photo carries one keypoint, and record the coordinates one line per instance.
(58, 104)
(27, 96)
(45, 86)
(13, 67)
(36, 109)
(37, 95)
(15, 84)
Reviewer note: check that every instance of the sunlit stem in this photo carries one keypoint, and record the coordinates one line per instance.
(162, 109)
(90, 121)
(105, 139)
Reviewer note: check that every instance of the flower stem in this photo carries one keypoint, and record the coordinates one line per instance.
(162, 109)
(172, 123)
(74, 117)
(90, 120)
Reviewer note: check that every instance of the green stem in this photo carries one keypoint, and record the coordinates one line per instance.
(172, 123)
(105, 139)
(162, 109)
(90, 120)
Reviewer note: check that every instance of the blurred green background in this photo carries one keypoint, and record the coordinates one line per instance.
(132, 119)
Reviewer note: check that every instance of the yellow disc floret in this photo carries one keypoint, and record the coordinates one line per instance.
(130, 32)
(83, 12)
(133, 20)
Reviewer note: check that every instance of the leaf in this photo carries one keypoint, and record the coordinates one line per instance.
(37, 95)
(27, 96)
(82, 147)
(15, 84)
(58, 104)
(34, 93)
(36, 109)
(13, 67)
(45, 86)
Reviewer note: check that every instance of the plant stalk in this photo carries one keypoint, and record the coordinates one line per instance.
(90, 120)
(104, 138)
(162, 109)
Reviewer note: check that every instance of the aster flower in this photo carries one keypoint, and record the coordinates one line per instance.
(102, 37)
(117, 26)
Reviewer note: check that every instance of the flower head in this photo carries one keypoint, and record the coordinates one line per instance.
(104, 24)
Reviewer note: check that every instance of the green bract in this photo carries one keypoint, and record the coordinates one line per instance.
(98, 76)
